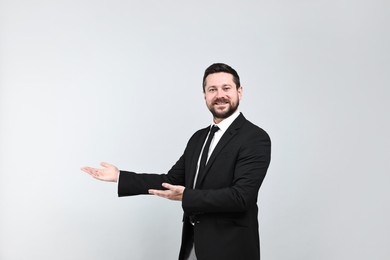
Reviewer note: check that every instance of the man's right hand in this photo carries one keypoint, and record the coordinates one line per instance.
(109, 172)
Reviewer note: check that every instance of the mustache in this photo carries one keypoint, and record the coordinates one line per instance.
(221, 100)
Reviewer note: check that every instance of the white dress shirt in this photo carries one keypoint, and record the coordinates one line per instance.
(223, 126)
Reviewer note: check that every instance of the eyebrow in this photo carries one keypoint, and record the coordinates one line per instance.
(224, 85)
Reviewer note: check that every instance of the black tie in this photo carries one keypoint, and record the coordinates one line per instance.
(205, 153)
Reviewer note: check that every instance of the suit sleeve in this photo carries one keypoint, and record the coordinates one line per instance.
(252, 162)
(131, 183)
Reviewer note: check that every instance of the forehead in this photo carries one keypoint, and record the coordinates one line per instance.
(219, 79)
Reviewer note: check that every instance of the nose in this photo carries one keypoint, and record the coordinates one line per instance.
(220, 93)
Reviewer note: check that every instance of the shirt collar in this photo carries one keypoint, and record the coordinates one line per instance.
(224, 124)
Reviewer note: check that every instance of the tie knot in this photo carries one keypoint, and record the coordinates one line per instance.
(214, 129)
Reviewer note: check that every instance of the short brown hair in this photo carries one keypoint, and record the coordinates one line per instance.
(221, 67)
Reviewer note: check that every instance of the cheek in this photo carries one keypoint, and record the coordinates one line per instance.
(208, 98)
(209, 101)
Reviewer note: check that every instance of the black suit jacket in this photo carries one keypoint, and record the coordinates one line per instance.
(224, 201)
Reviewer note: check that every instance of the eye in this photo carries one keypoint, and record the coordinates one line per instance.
(211, 90)
(226, 88)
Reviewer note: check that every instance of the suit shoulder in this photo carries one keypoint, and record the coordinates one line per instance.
(255, 128)
(198, 134)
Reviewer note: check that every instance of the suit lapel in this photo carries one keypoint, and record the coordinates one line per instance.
(225, 139)
(196, 155)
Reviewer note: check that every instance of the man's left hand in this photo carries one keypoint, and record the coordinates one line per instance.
(173, 192)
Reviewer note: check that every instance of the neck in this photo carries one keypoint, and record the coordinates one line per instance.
(217, 120)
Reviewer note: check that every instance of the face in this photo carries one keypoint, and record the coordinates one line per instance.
(221, 95)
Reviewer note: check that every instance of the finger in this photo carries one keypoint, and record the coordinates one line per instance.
(177, 189)
(87, 169)
(105, 165)
(160, 193)
(93, 174)
(169, 186)
(154, 192)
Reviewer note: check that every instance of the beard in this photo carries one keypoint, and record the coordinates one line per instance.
(232, 107)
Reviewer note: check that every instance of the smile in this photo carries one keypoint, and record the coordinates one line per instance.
(219, 103)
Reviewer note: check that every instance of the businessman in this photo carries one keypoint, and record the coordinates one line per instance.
(217, 179)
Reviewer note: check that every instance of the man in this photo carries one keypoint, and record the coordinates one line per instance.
(217, 179)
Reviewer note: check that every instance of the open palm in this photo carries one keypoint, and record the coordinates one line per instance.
(109, 172)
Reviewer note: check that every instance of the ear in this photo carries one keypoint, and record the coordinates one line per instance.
(239, 90)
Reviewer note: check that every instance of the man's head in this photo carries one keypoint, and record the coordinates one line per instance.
(222, 90)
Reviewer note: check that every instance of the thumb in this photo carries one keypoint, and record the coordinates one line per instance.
(168, 186)
(105, 165)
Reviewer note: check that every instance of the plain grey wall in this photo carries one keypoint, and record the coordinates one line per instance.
(89, 81)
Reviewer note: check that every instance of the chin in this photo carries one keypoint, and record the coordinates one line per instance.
(222, 115)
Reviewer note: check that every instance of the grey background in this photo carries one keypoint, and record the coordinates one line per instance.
(120, 81)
